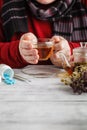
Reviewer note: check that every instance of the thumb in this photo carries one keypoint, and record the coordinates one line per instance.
(56, 39)
(30, 37)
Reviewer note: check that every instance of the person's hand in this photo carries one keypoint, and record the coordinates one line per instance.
(28, 53)
(60, 45)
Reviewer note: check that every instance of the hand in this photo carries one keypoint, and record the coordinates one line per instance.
(60, 45)
(26, 49)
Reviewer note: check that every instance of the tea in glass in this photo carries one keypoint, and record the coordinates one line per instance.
(44, 47)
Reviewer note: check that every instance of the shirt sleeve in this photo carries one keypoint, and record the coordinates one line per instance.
(73, 45)
(10, 55)
(9, 51)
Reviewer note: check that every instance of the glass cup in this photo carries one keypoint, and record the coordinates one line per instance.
(44, 47)
(80, 58)
(80, 55)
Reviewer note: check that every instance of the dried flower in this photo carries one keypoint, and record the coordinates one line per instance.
(78, 79)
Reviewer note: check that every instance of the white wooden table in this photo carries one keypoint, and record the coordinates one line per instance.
(42, 104)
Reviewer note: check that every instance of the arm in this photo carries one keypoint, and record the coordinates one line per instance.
(84, 2)
(9, 54)
(62, 45)
(9, 51)
(18, 53)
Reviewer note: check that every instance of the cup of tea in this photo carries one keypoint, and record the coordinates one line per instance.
(44, 47)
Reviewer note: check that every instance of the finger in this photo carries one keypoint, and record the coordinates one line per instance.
(62, 45)
(29, 37)
(58, 47)
(64, 52)
(55, 39)
(26, 44)
(31, 59)
(71, 58)
(58, 43)
(56, 60)
(27, 52)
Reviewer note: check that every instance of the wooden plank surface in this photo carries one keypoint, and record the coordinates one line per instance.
(42, 104)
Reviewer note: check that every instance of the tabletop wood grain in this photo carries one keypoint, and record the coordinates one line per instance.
(42, 104)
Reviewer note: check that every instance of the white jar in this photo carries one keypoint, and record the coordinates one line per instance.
(6, 70)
